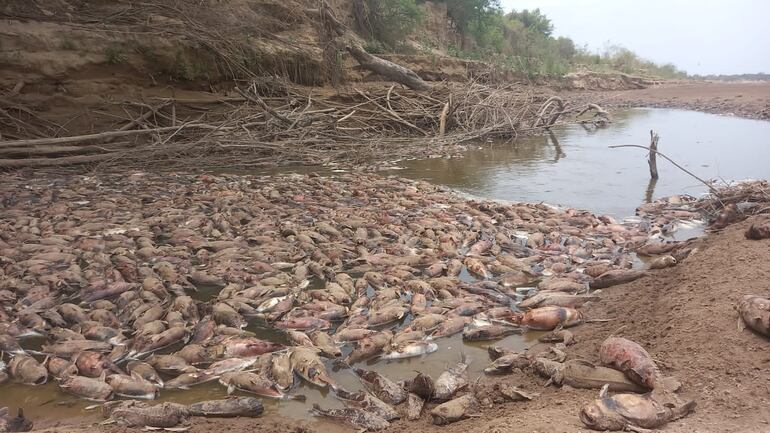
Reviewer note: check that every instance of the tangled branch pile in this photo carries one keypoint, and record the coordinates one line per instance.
(275, 122)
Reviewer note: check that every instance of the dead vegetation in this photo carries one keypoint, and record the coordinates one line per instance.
(274, 122)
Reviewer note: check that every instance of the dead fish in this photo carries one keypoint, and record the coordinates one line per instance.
(92, 364)
(507, 362)
(228, 407)
(558, 336)
(59, 368)
(633, 412)
(615, 277)
(450, 326)
(561, 285)
(755, 313)
(159, 341)
(133, 386)
(550, 318)
(229, 365)
(324, 341)
(281, 371)
(69, 348)
(414, 405)
(246, 347)
(477, 267)
(353, 334)
(299, 338)
(16, 423)
(423, 386)
(412, 349)
(87, 387)
(170, 364)
(386, 315)
(255, 384)
(661, 262)
(369, 347)
(578, 373)
(452, 380)
(655, 248)
(489, 332)
(455, 410)
(133, 413)
(10, 345)
(194, 354)
(757, 232)
(367, 402)
(145, 371)
(631, 358)
(379, 385)
(25, 369)
(186, 380)
(558, 299)
(303, 323)
(306, 363)
(357, 418)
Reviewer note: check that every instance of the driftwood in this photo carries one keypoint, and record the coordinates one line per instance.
(347, 40)
(651, 157)
(54, 162)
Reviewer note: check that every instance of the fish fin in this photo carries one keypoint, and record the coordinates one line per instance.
(230, 389)
(741, 324)
(176, 429)
(93, 406)
(604, 392)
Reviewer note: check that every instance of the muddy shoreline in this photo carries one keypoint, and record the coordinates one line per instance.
(749, 100)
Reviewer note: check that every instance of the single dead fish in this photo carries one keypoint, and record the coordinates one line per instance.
(412, 349)
(133, 413)
(633, 412)
(25, 369)
(489, 332)
(550, 318)
(631, 358)
(227, 408)
(87, 387)
(379, 385)
(255, 384)
(755, 313)
(455, 410)
(558, 299)
(578, 373)
(615, 277)
(414, 405)
(133, 386)
(367, 402)
(451, 381)
(357, 418)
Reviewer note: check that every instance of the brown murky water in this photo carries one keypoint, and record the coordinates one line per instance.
(571, 167)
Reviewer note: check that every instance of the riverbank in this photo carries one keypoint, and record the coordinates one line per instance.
(750, 100)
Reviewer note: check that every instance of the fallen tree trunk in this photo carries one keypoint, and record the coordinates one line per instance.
(347, 40)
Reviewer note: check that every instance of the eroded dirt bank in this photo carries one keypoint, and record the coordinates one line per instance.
(751, 100)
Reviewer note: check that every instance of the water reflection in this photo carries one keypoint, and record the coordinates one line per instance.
(606, 180)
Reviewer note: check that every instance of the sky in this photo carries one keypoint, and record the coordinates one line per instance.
(699, 36)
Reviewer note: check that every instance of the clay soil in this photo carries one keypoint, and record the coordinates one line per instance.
(684, 316)
(751, 99)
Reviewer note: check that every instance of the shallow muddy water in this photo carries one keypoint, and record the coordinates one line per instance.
(574, 167)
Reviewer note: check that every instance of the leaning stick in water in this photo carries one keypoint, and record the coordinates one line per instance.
(710, 187)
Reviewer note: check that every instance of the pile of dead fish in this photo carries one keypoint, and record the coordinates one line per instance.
(646, 399)
(140, 283)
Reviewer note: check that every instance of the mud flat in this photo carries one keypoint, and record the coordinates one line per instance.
(751, 99)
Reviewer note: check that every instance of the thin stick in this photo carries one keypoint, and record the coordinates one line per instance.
(710, 187)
